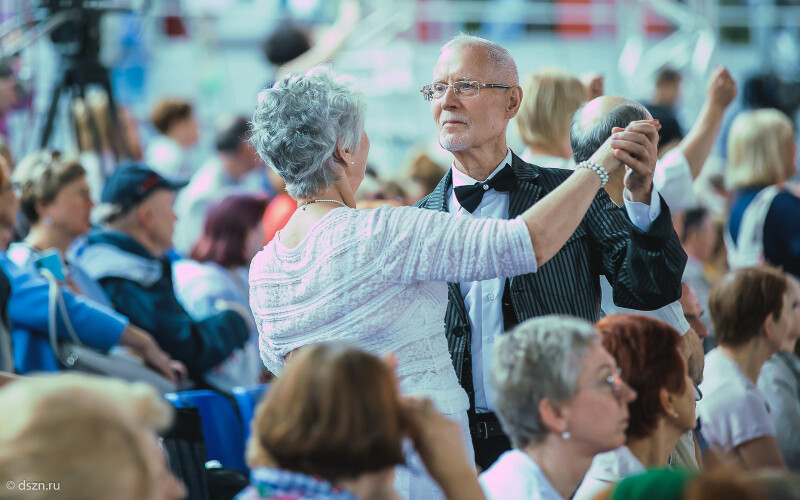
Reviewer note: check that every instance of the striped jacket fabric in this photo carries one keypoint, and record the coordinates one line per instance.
(644, 268)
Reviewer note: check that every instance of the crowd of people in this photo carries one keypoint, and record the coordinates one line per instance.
(578, 320)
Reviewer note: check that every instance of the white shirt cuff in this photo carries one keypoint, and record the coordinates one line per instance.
(641, 215)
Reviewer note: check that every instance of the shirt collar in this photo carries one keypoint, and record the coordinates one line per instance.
(462, 179)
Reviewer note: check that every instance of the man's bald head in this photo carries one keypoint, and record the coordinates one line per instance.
(592, 123)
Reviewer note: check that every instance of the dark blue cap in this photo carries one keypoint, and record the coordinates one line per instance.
(131, 183)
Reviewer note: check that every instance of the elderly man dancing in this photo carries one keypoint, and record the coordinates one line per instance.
(474, 93)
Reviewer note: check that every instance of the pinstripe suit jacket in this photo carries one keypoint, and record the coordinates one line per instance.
(644, 268)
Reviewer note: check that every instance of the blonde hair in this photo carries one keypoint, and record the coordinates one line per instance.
(550, 98)
(756, 149)
(87, 436)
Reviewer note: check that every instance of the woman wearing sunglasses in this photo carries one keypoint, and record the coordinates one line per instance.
(647, 353)
(561, 400)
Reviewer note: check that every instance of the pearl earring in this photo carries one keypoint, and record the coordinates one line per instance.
(675, 415)
(48, 221)
(352, 163)
(565, 435)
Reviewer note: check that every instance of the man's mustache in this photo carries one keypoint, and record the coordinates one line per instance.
(453, 118)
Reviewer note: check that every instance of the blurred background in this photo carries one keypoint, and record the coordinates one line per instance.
(215, 54)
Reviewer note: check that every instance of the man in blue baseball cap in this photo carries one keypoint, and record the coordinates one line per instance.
(128, 257)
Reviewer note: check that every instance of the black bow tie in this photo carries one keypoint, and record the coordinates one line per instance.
(470, 196)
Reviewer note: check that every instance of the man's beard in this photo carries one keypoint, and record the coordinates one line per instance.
(455, 142)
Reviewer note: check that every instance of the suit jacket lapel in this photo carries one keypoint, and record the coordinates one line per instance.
(528, 190)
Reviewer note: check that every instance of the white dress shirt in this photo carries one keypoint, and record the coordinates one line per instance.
(483, 299)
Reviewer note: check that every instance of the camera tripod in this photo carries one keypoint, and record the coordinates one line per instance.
(75, 77)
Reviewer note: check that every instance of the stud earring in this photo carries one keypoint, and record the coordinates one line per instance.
(675, 415)
(565, 435)
(48, 221)
(352, 163)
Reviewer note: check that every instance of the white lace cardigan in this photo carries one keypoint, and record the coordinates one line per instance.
(378, 278)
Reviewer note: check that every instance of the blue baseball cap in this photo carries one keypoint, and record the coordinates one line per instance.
(128, 186)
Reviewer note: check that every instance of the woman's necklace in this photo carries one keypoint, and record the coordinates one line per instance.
(307, 203)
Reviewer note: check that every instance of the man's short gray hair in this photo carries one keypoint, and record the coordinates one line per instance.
(299, 122)
(504, 65)
(585, 140)
(538, 359)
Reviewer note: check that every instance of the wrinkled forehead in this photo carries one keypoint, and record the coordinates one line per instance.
(460, 63)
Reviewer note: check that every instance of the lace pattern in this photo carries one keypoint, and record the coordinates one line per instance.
(378, 278)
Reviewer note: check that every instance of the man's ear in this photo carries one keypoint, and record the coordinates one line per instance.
(143, 214)
(513, 102)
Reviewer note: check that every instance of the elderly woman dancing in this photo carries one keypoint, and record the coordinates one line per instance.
(379, 277)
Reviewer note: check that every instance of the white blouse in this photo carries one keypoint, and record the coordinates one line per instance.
(378, 278)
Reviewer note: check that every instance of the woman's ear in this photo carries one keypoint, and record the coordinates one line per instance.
(553, 417)
(341, 155)
(667, 401)
(768, 327)
(40, 210)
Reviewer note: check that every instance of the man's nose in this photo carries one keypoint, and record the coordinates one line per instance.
(450, 99)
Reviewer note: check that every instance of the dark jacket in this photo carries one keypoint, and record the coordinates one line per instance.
(644, 268)
(140, 287)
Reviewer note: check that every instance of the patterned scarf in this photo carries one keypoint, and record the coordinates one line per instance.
(276, 484)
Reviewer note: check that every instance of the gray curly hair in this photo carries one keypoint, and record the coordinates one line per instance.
(538, 359)
(299, 122)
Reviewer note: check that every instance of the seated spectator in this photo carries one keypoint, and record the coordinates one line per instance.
(128, 259)
(100, 444)
(219, 269)
(698, 238)
(550, 98)
(692, 313)
(96, 325)
(647, 353)
(236, 167)
(763, 225)
(166, 153)
(751, 309)
(57, 206)
(309, 441)
(561, 400)
(779, 382)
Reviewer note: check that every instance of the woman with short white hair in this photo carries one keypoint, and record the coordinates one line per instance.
(378, 277)
(77, 437)
(560, 400)
(764, 226)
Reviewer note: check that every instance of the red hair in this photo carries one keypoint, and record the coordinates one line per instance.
(226, 228)
(646, 350)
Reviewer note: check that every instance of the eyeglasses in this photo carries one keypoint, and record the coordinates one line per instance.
(698, 394)
(618, 386)
(462, 88)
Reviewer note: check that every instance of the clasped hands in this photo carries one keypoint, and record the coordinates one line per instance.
(636, 149)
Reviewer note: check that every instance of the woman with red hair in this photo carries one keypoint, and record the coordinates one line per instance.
(646, 351)
(216, 278)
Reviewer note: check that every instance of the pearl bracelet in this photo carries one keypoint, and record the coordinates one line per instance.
(596, 168)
